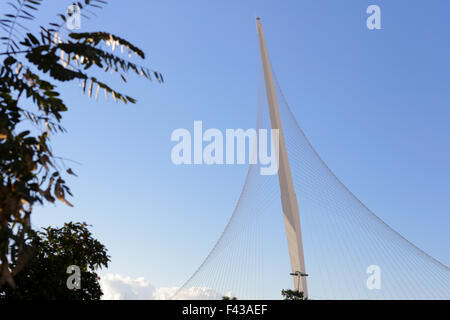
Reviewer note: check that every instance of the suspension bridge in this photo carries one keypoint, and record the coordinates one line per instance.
(333, 239)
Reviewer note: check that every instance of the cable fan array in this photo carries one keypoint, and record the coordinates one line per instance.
(342, 238)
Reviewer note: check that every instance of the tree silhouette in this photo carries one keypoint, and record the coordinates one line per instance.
(292, 295)
(55, 249)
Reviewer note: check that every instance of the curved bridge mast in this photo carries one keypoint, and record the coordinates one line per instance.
(288, 197)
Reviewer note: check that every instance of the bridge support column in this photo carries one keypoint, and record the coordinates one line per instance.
(288, 197)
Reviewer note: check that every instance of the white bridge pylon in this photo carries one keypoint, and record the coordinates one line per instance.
(288, 197)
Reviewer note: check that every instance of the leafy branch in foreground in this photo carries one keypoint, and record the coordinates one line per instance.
(31, 111)
(10, 24)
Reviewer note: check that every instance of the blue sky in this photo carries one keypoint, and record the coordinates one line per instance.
(375, 104)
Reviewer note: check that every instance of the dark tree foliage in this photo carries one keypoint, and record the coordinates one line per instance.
(228, 298)
(44, 277)
(31, 110)
(292, 295)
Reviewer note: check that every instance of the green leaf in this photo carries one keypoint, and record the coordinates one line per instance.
(9, 61)
(33, 39)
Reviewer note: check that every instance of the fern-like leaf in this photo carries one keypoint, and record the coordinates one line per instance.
(10, 24)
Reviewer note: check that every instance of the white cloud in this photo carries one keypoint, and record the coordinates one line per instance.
(119, 287)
